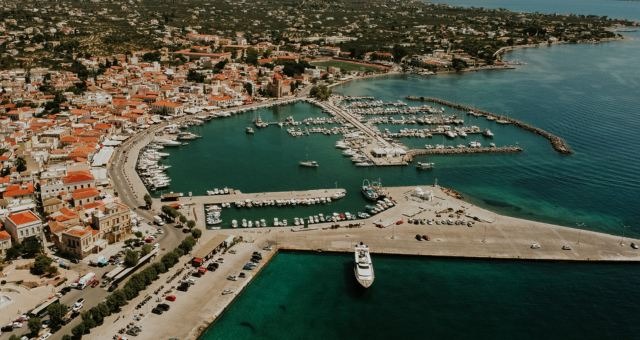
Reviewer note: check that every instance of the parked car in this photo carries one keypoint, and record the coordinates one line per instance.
(170, 298)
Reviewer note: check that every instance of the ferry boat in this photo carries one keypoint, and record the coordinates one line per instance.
(309, 164)
(424, 166)
(363, 267)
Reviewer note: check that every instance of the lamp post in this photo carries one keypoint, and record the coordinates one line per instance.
(580, 227)
(622, 238)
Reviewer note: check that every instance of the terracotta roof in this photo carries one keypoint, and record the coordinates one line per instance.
(77, 177)
(77, 232)
(79, 194)
(23, 217)
(4, 235)
(16, 190)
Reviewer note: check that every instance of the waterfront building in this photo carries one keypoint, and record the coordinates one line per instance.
(22, 225)
(113, 221)
(5, 242)
(79, 241)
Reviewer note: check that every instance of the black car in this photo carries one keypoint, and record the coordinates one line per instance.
(7, 328)
(157, 311)
(165, 307)
(183, 287)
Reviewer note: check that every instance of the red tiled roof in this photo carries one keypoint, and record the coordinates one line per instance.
(84, 193)
(16, 190)
(4, 235)
(77, 177)
(23, 217)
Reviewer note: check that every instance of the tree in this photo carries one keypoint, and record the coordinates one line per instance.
(78, 330)
(66, 337)
(21, 164)
(56, 312)
(151, 56)
(14, 337)
(196, 233)
(31, 246)
(131, 258)
(34, 324)
(146, 249)
(320, 92)
(41, 265)
(87, 320)
(187, 244)
(399, 52)
(458, 64)
(195, 76)
(252, 56)
(183, 219)
(148, 201)
(191, 224)
(14, 252)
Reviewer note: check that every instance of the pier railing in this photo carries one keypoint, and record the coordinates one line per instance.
(557, 143)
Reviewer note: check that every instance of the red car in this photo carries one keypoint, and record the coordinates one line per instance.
(170, 298)
(95, 283)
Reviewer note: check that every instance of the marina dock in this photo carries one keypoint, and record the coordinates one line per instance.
(558, 144)
(197, 203)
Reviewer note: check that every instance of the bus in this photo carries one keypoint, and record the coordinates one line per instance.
(41, 310)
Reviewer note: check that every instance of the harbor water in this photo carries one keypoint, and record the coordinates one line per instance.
(315, 296)
(587, 94)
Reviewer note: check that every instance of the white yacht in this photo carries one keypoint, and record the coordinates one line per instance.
(363, 267)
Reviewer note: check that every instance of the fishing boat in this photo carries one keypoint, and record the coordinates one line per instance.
(371, 190)
(363, 267)
(309, 164)
(249, 130)
(487, 133)
(424, 165)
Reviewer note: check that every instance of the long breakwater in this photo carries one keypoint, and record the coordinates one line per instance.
(558, 143)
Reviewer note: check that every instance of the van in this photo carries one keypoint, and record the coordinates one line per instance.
(158, 220)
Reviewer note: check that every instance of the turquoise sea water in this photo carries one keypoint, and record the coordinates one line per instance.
(588, 94)
(314, 296)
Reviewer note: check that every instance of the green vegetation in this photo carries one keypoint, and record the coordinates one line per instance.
(147, 201)
(29, 248)
(131, 258)
(320, 92)
(21, 164)
(34, 324)
(399, 27)
(346, 66)
(196, 233)
(42, 265)
(56, 313)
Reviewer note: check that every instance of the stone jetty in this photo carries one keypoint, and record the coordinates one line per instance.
(558, 144)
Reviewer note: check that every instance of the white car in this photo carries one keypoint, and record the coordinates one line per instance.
(45, 336)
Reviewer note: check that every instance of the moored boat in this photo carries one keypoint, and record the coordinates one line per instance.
(424, 166)
(363, 267)
(309, 164)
